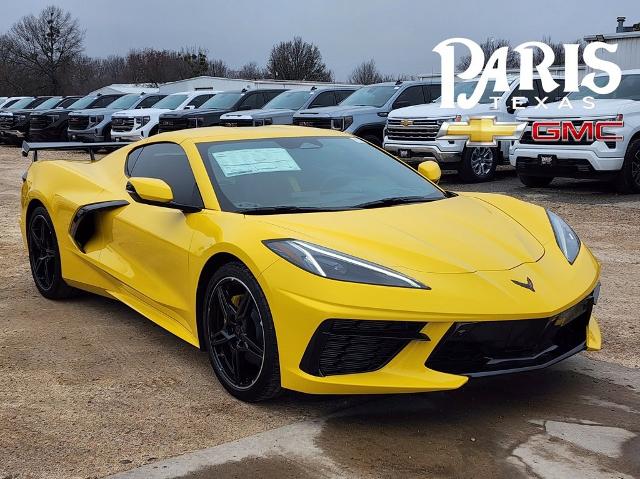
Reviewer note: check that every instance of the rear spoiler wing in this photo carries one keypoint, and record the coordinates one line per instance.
(91, 148)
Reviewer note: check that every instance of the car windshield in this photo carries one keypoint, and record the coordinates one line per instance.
(467, 88)
(171, 102)
(124, 102)
(289, 100)
(309, 174)
(82, 102)
(20, 104)
(222, 101)
(371, 96)
(629, 89)
(48, 104)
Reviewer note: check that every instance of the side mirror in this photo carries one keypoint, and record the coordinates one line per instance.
(401, 104)
(150, 190)
(244, 107)
(430, 170)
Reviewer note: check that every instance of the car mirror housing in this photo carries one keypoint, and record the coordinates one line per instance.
(150, 190)
(430, 170)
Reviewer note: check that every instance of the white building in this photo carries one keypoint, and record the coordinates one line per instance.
(627, 57)
(222, 84)
(125, 88)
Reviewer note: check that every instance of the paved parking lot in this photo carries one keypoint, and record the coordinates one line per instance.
(89, 388)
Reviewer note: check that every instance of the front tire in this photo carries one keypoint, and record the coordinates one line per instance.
(44, 257)
(535, 181)
(478, 164)
(628, 180)
(240, 336)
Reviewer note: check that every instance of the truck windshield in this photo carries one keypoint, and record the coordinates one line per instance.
(170, 102)
(20, 104)
(289, 100)
(48, 104)
(280, 175)
(124, 102)
(467, 88)
(82, 102)
(371, 96)
(629, 89)
(222, 101)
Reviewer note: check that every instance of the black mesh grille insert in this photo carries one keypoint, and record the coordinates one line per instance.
(345, 346)
(495, 347)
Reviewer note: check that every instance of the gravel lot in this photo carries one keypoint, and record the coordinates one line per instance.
(88, 387)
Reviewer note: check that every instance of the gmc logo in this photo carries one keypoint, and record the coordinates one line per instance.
(565, 131)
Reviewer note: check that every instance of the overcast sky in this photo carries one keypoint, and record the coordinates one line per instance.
(398, 34)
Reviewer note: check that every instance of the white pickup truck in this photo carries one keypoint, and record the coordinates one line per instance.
(411, 132)
(538, 163)
(133, 125)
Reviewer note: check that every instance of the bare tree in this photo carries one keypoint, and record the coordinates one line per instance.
(218, 68)
(558, 50)
(46, 45)
(297, 60)
(489, 46)
(249, 71)
(366, 73)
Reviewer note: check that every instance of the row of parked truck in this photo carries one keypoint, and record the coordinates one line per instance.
(404, 117)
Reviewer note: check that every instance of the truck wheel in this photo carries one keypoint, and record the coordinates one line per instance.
(628, 180)
(478, 164)
(154, 131)
(535, 181)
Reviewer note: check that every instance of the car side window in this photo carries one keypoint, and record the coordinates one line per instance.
(168, 162)
(326, 98)
(431, 92)
(342, 94)
(199, 100)
(270, 95)
(252, 101)
(411, 96)
(149, 101)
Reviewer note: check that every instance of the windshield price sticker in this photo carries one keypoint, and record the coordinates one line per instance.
(251, 161)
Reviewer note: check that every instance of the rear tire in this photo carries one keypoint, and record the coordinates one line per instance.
(478, 164)
(628, 180)
(239, 335)
(535, 181)
(44, 257)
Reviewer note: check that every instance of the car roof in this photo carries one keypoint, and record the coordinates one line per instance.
(223, 133)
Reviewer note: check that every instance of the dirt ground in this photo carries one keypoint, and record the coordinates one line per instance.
(88, 387)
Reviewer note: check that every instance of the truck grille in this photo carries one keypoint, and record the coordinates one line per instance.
(400, 129)
(527, 139)
(313, 122)
(172, 124)
(239, 122)
(78, 122)
(6, 122)
(121, 123)
(37, 122)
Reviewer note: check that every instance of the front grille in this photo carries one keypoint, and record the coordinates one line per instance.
(239, 122)
(399, 129)
(39, 121)
(173, 124)
(346, 346)
(313, 122)
(495, 347)
(78, 122)
(558, 166)
(6, 122)
(527, 138)
(122, 123)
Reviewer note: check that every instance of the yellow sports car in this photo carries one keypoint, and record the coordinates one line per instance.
(311, 260)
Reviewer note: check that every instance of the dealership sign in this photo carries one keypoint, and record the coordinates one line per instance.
(495, 69)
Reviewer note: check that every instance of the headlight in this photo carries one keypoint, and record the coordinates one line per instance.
(566, 238)
(96, 119)
(22, 117)
(332, 264)
(53, 118)
(258, 122)
(142, 120)
(341, 123)
(268, 121)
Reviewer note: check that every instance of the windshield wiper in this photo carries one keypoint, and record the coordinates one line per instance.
(269, 210)
(395, 200)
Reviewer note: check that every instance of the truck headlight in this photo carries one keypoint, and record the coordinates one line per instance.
(566, 238)
(341, 124)
(142, 120)
(258, 122)
(195, 122)
(53, 118)
(332, 264)
(96, 119)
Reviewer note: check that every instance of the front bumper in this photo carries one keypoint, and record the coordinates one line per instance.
(13, 135)
(598, 157)
(411, 152)
(487, 298)
(85, 136)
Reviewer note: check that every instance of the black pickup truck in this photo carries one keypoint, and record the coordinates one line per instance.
(14, 122)
(210, 112)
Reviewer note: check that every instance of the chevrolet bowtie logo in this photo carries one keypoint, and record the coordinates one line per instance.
(481, 131)
(406, 122)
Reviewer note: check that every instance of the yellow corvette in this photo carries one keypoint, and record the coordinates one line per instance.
(310, 260)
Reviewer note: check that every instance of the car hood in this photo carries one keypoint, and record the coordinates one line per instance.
(435, 110)
(142, 112)
(580, 110)
(94, 111)
(455, 235)
(253, 114)
(338, 111)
